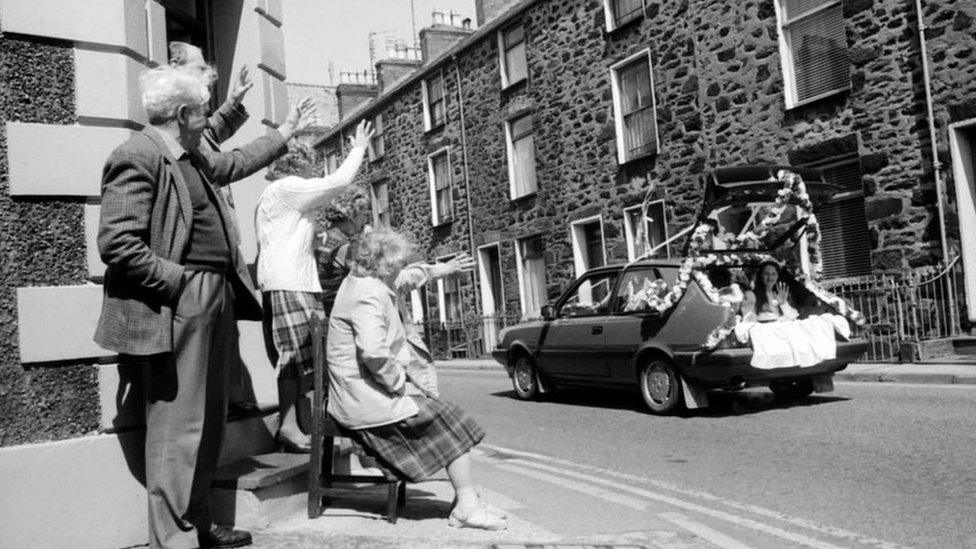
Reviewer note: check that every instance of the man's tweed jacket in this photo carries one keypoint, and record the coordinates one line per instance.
(144, 232)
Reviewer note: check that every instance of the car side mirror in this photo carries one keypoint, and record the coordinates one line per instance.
(548, 312)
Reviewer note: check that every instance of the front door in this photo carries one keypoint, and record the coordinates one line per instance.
(573, 345)
(963, 145)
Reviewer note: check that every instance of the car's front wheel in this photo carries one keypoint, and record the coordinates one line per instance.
(660, 386)
(525, 379)
(792, 388)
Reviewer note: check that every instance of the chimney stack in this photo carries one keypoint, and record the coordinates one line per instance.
(440, 36)
(486, 10)
(400, 61)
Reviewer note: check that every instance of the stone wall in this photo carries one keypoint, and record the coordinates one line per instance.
(718, 87)
(41, 244)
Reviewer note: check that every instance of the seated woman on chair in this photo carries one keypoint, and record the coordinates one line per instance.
(771, 299)
(372, 359)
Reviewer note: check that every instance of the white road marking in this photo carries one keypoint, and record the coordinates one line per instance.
(703, 531)
(585, 488)
(791, 537)
(768, 513)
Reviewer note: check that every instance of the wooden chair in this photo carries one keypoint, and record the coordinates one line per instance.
(321, 478)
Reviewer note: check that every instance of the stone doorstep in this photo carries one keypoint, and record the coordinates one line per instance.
(965, 345)
(261, 471)
(256, 491)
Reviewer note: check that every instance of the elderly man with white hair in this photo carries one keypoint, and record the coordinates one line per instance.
(174, 284)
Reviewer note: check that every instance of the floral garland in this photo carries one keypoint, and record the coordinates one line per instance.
(794, 191)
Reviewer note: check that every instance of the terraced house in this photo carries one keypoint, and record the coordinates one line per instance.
(531, 141)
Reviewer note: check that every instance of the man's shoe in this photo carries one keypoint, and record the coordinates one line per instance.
(224, 536)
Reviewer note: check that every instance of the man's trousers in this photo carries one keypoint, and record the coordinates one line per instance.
(186, 411)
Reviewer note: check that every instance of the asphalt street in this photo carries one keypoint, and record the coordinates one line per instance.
(870, 465)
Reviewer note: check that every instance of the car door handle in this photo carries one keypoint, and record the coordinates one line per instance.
(597, 330)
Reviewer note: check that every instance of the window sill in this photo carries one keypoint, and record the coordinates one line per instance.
(816, 99)
(376, 159)
(444, 223)
(435, 127)
(523, 197)
(638, 157)
(512, 86)
(630, 23)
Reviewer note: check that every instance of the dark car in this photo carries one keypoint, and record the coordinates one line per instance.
(597, 334)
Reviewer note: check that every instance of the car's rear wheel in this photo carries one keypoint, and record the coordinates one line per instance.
(525, 379)
(660, 386)
(792, 388)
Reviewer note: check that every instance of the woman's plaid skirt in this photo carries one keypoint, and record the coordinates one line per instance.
(291, 316)
(419, 446)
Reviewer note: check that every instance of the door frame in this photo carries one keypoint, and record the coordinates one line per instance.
(963, 150)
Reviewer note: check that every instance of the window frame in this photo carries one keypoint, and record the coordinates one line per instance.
(442, 293)
(435, 214)
(376, 148)
(484, 280)
(833, 162)
(618, 119)
(630, 231)
(503, 52)
(332, 154)
(788, 64)
(579, 258)
(522, 276)
(429, 123)
(611, 24)
(510, 157)
(374, 200)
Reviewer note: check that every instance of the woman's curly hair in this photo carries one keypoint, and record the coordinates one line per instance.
(380, 253)
(353, 201)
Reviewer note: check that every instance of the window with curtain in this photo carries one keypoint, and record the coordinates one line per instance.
(533, 281)
(377, 147)
(381, 204)
(435, 103)
(521, 156)
(449, 295)
(511, 47)
(656, 227)
(813, 38)
(620, 12)
(331, 161)
(634, 105)
(440, 185)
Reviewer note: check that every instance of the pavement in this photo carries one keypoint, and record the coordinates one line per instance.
(953, 370)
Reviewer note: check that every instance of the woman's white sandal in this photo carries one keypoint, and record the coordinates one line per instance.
(478, 518)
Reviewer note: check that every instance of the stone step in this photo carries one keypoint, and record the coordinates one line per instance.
(965, 345)
(256, 491)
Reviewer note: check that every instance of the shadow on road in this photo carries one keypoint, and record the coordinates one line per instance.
(721, 403)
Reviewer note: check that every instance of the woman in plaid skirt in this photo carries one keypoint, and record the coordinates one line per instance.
(371, 357)
(288, 276)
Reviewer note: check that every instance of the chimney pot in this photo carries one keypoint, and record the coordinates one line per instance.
(466, 23)
(438, 17)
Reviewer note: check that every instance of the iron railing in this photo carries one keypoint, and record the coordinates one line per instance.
(906, 308)
(901, 309)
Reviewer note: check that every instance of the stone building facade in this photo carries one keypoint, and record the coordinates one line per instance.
(721, 94)
(71, 416)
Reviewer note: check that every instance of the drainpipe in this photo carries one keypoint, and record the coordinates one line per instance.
(936, 164)
(467, 185)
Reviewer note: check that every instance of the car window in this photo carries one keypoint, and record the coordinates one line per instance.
(591, 297)
(640, 289)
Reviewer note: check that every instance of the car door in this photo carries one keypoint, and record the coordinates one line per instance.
(573, 343)
(634, 320)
